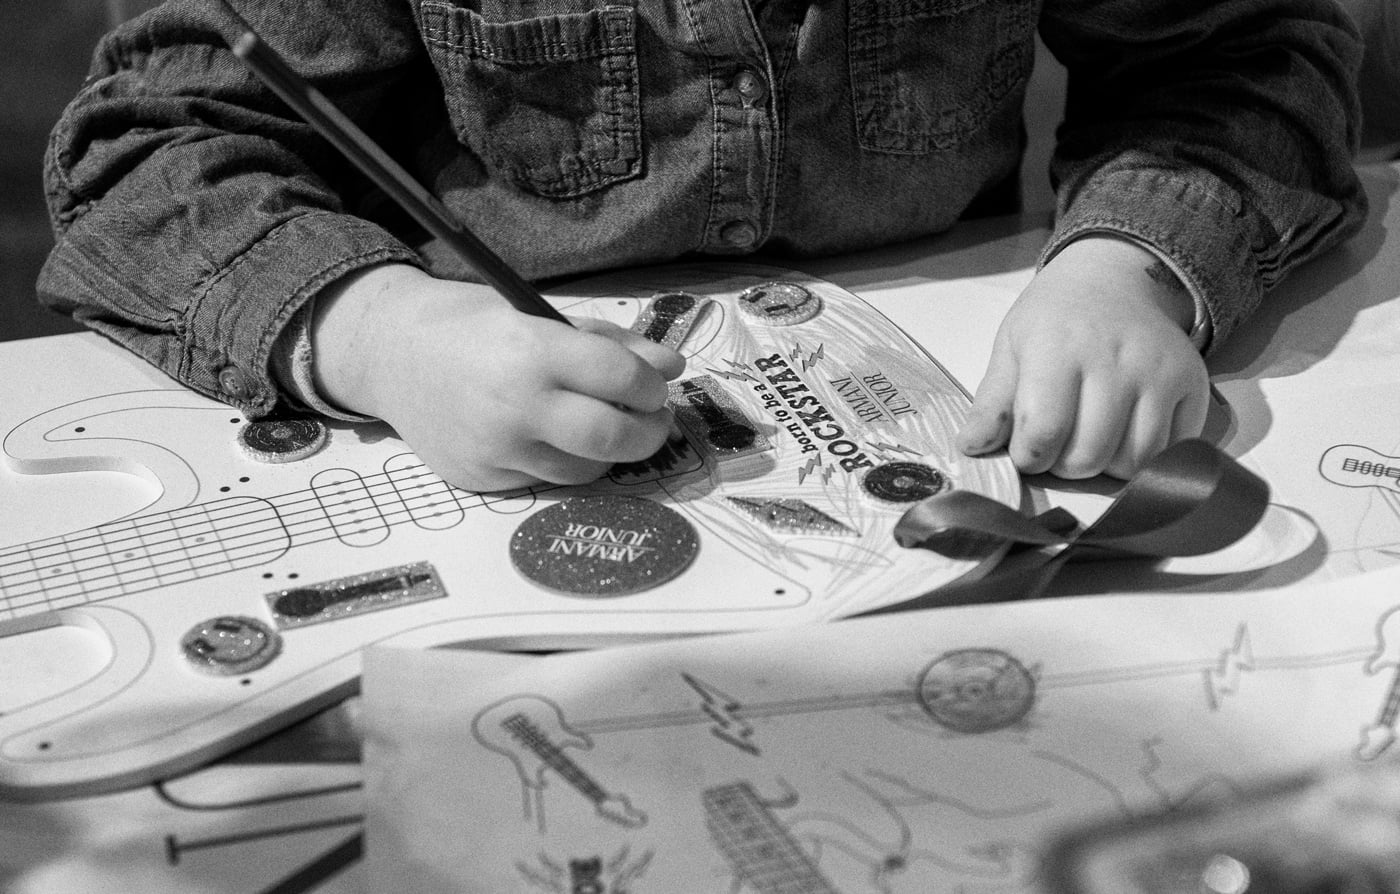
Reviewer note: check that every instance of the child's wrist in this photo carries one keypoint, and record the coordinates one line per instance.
(352, 333)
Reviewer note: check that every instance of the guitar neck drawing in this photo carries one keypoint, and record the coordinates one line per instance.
(758, 847)
(149, 552)
(533, 733)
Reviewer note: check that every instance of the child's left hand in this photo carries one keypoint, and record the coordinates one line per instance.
(1092, 370)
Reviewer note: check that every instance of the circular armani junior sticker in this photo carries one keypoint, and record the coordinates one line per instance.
(603, 546)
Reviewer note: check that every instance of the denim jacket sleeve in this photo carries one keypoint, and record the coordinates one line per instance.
(1220, 132)
(193, 214)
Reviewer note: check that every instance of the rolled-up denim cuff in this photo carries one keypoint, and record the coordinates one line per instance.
(1191, 220)
(234, 322)
(294, 368)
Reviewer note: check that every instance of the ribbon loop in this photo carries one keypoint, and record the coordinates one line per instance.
(1191, 499)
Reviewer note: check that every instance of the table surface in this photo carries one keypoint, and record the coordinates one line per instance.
(1306, 399)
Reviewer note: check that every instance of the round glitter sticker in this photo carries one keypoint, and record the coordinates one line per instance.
(976, 690)
(903, 482)
(780, 303)
(603, 546)
(232, 644)
(282, 440)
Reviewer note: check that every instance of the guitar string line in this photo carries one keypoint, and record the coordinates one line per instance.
(94, 575)
(367, 498)
(103, 543)
(193, 565)
(254, 505)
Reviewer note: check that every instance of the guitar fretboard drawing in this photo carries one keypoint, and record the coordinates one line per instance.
(609, 806)
(759, 847)
(153, 551)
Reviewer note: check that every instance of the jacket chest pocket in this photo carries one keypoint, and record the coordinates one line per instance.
(927, 73)
(549, 102)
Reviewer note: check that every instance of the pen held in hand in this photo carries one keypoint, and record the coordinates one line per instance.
(387, 174)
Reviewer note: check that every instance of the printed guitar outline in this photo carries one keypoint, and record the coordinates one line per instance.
(532, 732)
(1380, 734)
(60, 744)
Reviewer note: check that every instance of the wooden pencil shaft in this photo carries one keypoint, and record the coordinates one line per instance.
(387, 174)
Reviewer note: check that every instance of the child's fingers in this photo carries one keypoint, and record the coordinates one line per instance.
(605, 370)
(591, 429)
(666, 361)
(545, 462)
(1189, 420)
(1148, 433)
(1047, 404)
(1100, 427)
(988, 425)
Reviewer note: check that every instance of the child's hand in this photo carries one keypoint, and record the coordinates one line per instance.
(488, 397)
(1092, 370)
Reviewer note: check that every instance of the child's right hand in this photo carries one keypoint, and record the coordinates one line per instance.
(490, 398)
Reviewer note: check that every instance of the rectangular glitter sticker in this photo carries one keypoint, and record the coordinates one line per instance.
(669, 316)
(357, 594)
(721, 427)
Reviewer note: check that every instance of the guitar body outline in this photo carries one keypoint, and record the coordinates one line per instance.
(365, 504)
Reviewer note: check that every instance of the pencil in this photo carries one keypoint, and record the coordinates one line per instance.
(387, 174)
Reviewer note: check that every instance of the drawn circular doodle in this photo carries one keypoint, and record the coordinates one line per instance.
(603, 546)
(230, 645)
(903, 482)
(282, 440)
(976, 690)
(780, 303)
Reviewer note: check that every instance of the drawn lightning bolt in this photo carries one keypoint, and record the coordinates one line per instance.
(1223, 678)
(738, 370)
(812, 463)
(722, 709)
(892, 448)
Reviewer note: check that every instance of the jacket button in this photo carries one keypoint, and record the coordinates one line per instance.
(739, 234)
(751, 86)
(235, 383)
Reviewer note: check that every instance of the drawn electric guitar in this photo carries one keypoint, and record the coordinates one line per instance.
(1352, 465)
(1377, 737)
(239, 600)
(532, 732)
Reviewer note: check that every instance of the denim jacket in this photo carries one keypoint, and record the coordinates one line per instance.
(195, 214)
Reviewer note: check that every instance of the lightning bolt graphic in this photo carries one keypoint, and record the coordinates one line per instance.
(812, 463)
(1224, 678)
(722, 709)
(892, 448)
(743, 376)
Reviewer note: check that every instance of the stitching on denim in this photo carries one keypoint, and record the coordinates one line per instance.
(611, 144)
(868, 27)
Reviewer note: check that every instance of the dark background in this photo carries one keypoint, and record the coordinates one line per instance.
(44, 50)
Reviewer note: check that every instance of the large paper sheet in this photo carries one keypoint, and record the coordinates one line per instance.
(934, 751)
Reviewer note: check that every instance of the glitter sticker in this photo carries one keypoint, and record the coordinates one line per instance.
(669, 316)
(721, 428)
(790, 516)
(282, 440)
(230, 645)
(604, 546)
(780, 303)
(903, 482)
(357, 594)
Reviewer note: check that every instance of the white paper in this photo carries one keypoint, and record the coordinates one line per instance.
(934, 751)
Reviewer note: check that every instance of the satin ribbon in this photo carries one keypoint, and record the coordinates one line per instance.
(1191, 499)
